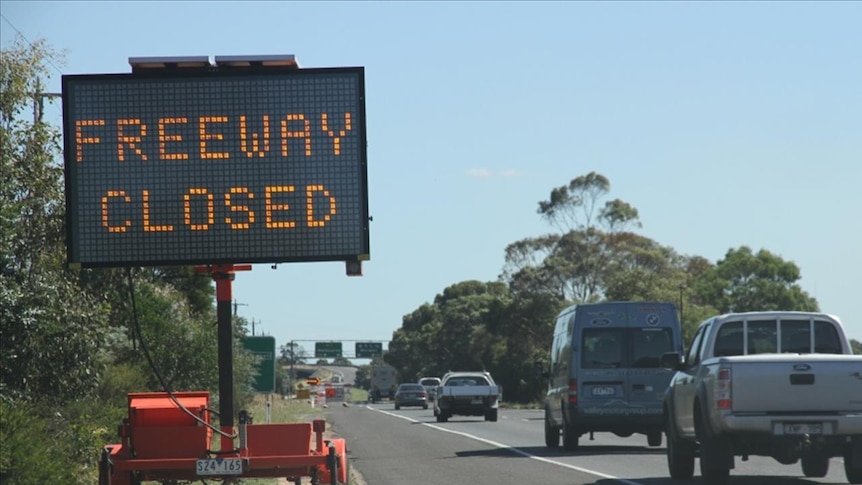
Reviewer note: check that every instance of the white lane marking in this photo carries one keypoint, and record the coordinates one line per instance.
(515, 450)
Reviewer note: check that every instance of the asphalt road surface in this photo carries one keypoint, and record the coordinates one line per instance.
(407, 447)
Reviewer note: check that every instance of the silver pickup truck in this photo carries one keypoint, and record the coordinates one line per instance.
(467, 394)
(778, 384)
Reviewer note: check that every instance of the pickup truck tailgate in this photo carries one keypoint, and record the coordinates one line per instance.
(797, 383)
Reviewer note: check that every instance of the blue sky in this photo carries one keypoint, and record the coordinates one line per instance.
(724, 123)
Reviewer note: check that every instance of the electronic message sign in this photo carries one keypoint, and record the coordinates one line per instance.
(212, 166)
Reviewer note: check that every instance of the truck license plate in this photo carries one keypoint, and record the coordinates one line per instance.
(219, 466)
(803, 428)
(476, 400)
(604, 391)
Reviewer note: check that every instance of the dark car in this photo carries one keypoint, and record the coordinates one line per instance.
(411, 395)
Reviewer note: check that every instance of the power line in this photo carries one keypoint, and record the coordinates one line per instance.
(48, 58)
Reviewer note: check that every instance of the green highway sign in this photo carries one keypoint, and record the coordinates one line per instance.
(327, 349)
(369, 350)
(262, 350)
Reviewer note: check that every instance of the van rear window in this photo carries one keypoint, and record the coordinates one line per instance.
(648, 345)
(610, 348)
(602, 348)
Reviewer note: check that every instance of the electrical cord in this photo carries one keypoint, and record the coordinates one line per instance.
(155, 369)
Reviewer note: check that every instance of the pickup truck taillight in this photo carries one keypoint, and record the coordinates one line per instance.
(723, 398)
(573, 391)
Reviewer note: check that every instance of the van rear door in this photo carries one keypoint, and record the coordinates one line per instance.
(653, 329)
(602, 381)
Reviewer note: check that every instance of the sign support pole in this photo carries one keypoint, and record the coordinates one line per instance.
(223, 275)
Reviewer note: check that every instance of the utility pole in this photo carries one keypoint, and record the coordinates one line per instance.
(292, 367)
(681, 294)
(235, 305)
(39, 101)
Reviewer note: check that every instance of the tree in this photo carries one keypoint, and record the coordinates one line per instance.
(363, 377)
(856, 346)
(573, 206)
(184, 350)
(476, 326)
(197, 288)
(342, 361)
(745, 281)
(573, 264)
(51, 331)
(292, 353)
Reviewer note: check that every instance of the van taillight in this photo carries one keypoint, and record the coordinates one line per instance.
(723, 397)
(573, 391)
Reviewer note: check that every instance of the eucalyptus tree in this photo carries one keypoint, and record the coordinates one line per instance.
(573, 262)
(748, 281)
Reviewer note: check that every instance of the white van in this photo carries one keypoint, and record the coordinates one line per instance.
(605, 372)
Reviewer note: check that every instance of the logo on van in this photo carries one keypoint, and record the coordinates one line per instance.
(600, 322)
(652, 319)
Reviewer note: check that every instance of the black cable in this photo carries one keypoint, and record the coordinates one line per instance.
(48, 58)
(155, 369)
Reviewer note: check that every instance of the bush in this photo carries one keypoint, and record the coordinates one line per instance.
(30, 453)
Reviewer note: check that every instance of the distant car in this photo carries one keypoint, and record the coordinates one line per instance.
(430, 384)
(411, 395)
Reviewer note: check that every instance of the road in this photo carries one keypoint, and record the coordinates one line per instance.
(391, 447)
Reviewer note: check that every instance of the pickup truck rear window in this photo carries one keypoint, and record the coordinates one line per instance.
(762, 337)
(466, 381)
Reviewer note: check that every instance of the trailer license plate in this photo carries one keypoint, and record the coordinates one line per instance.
(803, 428)
(220, 466)
(604, 391)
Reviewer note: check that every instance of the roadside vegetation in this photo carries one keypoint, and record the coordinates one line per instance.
(74, 342)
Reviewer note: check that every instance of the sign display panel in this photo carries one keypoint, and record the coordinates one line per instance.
(216, 166)
(369, 350)
(327, 349)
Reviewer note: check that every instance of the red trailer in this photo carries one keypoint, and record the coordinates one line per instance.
(169, 437)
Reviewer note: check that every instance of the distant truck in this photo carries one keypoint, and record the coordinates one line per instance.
(467, 394)
(779, 384)
(383, 382)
